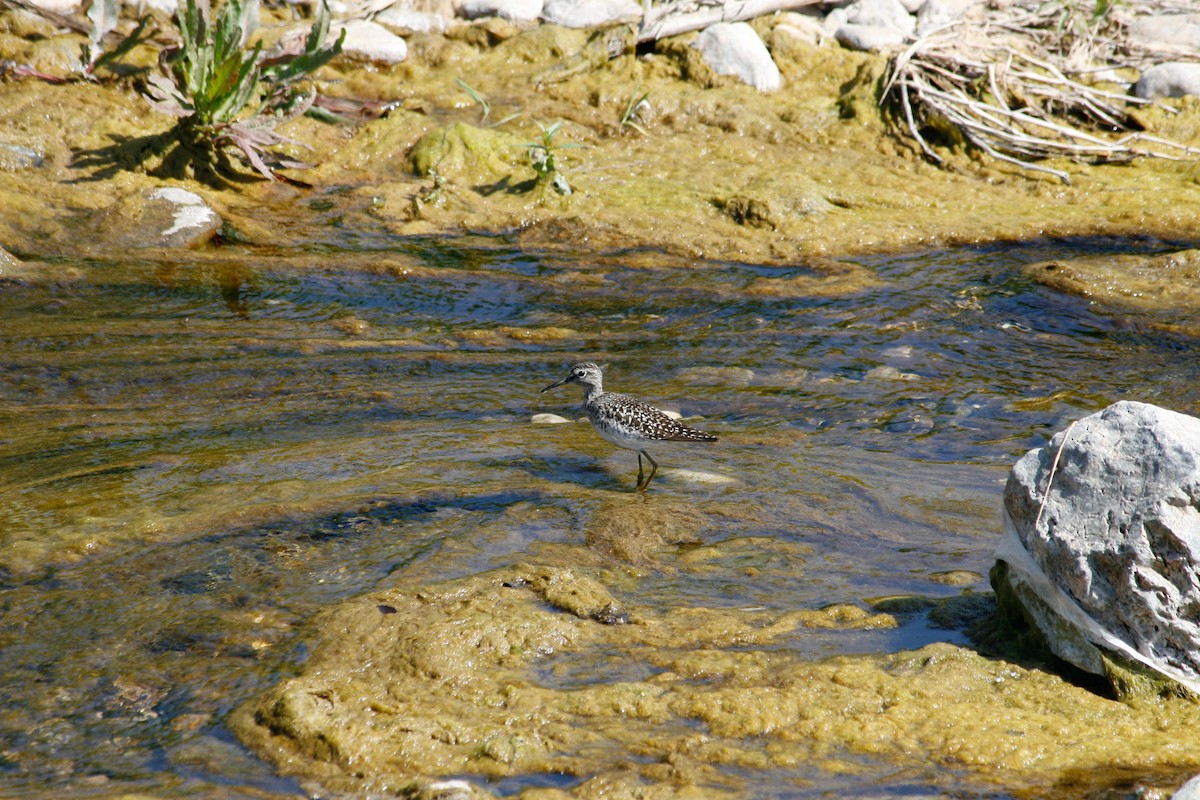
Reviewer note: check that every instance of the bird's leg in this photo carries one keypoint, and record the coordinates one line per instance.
(639, 483)
(653, 468)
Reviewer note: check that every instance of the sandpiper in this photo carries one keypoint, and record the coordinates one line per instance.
(625, 421)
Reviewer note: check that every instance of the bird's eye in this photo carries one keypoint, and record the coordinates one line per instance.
(578, 373)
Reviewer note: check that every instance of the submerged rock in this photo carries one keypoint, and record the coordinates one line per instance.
(513, 673)
(163, 217)
(1105, 560)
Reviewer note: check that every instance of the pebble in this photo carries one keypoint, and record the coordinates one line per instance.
(1173, 79)
(698, 476)
(548, 419)
(589, 13)
(869, 38)
(881, 13)
(733, 48)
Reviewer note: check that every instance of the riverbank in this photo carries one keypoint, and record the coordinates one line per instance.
(710, 169)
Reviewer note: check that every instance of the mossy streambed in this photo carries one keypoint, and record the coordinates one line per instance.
(295, 501)
(278, 523)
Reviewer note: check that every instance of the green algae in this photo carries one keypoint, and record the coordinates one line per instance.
(409, 684)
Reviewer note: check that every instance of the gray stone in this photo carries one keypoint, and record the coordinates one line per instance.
(589, 13)
(512, 10)
(881, 13)
(869, 37)
(733, 48)
(1111, 564)
(1173, 79)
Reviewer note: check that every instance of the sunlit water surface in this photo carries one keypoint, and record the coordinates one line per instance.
(195, 459)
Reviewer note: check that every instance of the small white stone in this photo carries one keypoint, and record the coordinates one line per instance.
(869, 38)
(370, 41)
(698, 476)
(548, 419)
(884, 13)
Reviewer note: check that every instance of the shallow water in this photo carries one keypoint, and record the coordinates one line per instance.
(197, 458)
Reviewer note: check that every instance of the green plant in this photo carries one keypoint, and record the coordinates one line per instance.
(631, 110)
(225, 92)
(484, 105)
(544, 157)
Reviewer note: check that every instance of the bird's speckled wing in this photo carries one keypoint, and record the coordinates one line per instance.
(633, 417)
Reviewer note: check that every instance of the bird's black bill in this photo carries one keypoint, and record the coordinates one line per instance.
(559, 383)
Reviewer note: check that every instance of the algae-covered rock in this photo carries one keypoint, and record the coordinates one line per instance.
(508, 674)
(1168, 281)
(466, 153)
(634, 531)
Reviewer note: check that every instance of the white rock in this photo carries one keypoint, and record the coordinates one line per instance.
(913, 6)
(881, 13)
(697, 476)
(548, 419)
(1173, 79)
(733, 48)
(589, 13)
(369, 40)
(512, 10)
(1107, 556)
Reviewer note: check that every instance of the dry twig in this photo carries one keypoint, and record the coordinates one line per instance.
(1004, 83)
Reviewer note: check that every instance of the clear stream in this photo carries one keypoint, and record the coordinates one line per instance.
(197, 458)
